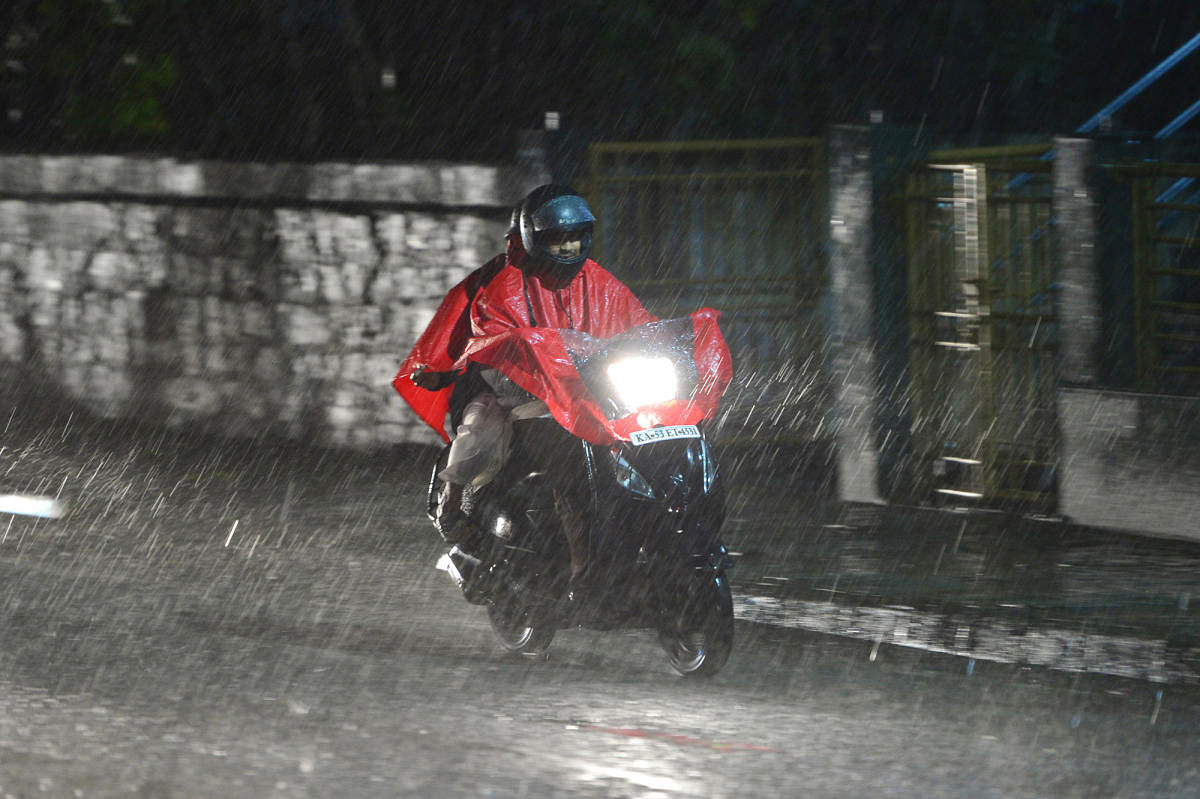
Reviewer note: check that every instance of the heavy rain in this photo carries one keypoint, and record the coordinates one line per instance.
(904, 504)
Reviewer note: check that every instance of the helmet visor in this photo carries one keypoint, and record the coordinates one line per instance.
(564, 213)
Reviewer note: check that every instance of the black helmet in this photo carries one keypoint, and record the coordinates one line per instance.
(555, 209)
(514, 222)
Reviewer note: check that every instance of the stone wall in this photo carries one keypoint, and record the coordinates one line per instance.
(249, 298)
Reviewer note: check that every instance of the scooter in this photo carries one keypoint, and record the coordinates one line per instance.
(656, 561)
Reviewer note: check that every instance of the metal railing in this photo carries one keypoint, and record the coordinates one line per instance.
(1166, 277)
(737, 225)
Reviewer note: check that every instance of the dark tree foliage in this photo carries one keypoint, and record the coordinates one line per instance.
(307, 79)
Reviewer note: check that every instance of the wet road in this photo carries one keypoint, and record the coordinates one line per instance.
(240, 621)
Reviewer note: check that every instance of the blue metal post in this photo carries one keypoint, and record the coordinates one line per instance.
(1179, 121)
(1137, 88)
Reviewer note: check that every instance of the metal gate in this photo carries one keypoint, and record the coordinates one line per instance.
(982, 329)
(1166, 258)
(734, 225)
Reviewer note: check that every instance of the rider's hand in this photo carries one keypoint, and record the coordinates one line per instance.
(423, 378)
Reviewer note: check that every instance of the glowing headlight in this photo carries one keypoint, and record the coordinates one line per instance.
(643, 381)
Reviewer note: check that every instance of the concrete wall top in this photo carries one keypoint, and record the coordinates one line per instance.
(416, 184)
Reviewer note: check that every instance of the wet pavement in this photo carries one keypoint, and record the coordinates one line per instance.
(216, 618)
(982, 584)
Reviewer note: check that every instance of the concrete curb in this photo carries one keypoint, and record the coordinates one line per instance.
(980, 639)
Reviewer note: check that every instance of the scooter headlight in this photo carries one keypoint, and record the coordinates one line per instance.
(628, 477)
(643, 381)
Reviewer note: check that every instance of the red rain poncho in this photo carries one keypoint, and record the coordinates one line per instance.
(516, 320)
(443, 341)
(535, 357)
(540, 361)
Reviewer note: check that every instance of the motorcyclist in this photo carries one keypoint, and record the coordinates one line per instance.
(556, 285)
(546, 281)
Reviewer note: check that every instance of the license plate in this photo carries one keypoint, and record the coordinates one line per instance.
(639, 437)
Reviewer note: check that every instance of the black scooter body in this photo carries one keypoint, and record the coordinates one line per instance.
(656, 559)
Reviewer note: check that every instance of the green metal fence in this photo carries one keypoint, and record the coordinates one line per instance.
(735, 225)
(1166, 275)
(982, 327)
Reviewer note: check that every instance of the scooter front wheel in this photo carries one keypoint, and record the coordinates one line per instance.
(517, 631)
(699, 643)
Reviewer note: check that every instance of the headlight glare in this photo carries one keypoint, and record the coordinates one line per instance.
(643, 381)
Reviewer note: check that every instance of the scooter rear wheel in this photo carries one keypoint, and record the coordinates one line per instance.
(517, 632)
(699, 645)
